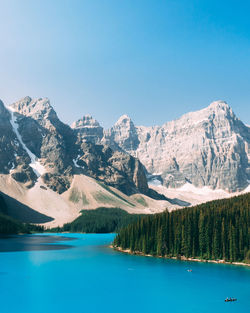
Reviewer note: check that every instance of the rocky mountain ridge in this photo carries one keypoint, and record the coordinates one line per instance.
(50, 171)
(210, 147)
(36, 143)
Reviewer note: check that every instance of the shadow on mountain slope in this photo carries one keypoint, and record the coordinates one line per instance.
(22, 212)
(179, 202)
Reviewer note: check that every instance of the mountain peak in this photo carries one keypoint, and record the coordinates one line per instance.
(221, 104)
(28, 105)
(221, 108)
(124, 119)
(37, 108)
(85, 121)
(123, 133)
(218, 108)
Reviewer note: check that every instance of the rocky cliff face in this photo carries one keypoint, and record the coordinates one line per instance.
(88, 129)
(123, 134)
(14, 158)
(34, 143)
(46, 139)
(115, 168)
(210, 147)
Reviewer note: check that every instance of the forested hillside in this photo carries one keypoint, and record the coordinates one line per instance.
(214, 230)
(101, 220)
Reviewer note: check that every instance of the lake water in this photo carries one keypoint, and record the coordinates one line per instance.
(41, 274)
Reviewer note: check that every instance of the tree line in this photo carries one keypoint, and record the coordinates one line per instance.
(101, 220)
(9, 225)
(214, 230)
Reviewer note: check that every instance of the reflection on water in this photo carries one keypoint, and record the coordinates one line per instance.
(16, 243)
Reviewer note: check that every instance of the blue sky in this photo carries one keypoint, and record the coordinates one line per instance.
(153, 60)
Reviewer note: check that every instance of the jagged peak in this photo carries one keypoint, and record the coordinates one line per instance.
(86, 121)
(219, 104)
(34, 107)
(124, 119)
(28, 102)
(218, 108)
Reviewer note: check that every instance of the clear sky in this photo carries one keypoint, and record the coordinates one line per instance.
(151, 59)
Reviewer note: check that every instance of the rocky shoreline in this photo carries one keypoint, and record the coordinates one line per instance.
(182, 258)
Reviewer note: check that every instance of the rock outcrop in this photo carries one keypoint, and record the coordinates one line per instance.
(88, 129)
(114, 168)
(123, 134)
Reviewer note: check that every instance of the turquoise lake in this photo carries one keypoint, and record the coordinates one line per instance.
(48, 274)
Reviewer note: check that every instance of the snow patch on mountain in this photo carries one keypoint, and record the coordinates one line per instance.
(201, 191)
(193, 195)
(12, 166)
(76, 160)
(154, 182)
(37, 167)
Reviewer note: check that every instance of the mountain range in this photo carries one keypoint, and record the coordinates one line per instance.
(50, 171)
(210, 147)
